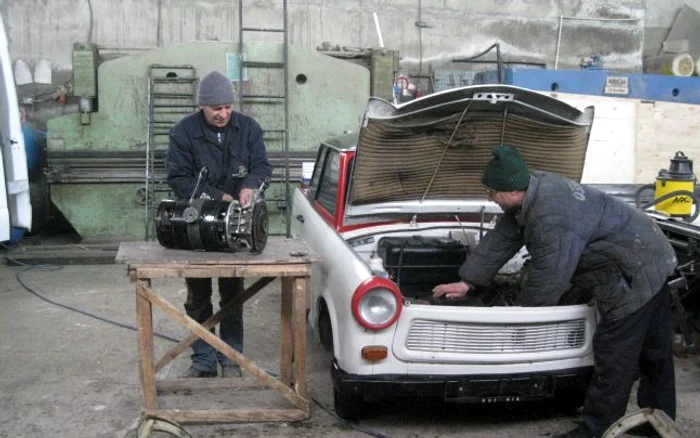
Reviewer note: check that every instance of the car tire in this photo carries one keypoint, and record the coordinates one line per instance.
(348, 406)
(325, 328)
(569, 400)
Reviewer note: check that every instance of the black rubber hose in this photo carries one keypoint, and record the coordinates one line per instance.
(639, 205)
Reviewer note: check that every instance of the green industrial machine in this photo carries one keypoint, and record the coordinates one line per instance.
(105, 164)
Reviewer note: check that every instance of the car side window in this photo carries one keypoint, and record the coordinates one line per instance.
(327, 191)
(316, 175)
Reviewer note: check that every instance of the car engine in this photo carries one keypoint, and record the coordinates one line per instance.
(419, 263)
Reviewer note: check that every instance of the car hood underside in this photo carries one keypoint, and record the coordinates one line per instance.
(435, 148)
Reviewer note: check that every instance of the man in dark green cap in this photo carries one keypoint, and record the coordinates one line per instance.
(579, 236)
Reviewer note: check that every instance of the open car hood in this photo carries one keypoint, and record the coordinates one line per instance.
(428, 155)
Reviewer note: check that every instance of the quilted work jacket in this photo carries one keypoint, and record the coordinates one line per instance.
(193, 144)
(577, 235)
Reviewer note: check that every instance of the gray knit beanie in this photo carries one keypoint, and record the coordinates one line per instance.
(215, 88)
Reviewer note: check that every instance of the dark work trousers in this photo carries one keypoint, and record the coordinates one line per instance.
(638, 345)
(199, 307)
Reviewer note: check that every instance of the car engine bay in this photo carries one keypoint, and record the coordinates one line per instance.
(419, 262)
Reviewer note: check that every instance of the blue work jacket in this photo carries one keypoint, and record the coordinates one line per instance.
(194, 144)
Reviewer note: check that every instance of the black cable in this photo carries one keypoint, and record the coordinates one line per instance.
(353, 425)
(643, 207)
(129, 327)
(65, 306)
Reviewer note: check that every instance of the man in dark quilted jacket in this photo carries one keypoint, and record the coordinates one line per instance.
(577, 235)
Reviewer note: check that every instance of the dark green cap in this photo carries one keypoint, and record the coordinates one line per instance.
(507, 171)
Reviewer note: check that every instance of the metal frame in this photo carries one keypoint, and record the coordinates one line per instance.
(284, 65)
(165, 108)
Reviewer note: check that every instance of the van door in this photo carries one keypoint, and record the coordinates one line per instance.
(15, 204)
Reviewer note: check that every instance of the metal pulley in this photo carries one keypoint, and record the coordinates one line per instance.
(209, 225)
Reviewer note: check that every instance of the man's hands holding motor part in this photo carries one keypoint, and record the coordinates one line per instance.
(244, 197)
(451, 291)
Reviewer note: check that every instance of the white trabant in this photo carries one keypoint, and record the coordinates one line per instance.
(395, 210)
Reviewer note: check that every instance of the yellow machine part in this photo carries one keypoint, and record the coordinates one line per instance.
(677, 205)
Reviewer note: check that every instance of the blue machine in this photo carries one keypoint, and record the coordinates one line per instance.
(601, 83)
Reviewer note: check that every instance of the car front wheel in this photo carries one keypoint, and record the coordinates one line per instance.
(570, 400)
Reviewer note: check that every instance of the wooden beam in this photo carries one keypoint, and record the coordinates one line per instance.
(214, 341)
(235, 383)
(228, 416)
(286, 331)
(300, 301)
(144, 323)
(215, 319)
(199, 271)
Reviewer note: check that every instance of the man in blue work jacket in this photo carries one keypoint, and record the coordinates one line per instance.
(579, 235)
(230, 145)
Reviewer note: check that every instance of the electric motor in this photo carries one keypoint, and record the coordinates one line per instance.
(208, 225)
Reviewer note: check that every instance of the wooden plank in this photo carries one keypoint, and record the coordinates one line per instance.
(215, 319)
(278, 251)
(194, 384)
(144, 321)
(300, 336)
(229, 352)
(199, 271)
(229, 416)
(286, 329)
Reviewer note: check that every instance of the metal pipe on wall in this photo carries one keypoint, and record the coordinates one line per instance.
(42, 112)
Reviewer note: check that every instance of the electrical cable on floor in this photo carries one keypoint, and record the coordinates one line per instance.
(47, 267)
(349, 424)
(29, 267)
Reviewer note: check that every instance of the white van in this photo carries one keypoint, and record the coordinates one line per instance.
(15, 205)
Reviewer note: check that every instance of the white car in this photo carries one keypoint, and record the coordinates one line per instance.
(394, 211)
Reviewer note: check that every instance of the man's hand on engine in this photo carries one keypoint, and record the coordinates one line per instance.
(451, 290)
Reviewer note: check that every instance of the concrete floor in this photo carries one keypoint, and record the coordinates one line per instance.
(65, 374)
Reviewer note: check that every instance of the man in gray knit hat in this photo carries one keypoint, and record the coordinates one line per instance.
(230, 145)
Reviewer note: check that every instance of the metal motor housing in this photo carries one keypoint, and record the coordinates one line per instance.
(209, 225)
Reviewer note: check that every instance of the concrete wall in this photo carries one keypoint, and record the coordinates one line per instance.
(659, 18)
(527, 30)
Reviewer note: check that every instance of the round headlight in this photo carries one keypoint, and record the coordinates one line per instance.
(376, 304)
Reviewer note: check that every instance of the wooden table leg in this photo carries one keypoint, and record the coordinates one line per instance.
(286, 328)
(300, 335)
(144, 321)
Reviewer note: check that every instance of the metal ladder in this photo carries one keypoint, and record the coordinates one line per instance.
(266, 99)
(171, 96)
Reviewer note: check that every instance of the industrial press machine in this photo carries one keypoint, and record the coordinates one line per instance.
(105, 163)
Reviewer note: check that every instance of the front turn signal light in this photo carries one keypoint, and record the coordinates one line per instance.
(374, 352)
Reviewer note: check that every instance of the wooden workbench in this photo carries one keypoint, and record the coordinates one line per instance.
(289, 259)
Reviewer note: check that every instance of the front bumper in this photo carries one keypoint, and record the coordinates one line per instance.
(465, 388)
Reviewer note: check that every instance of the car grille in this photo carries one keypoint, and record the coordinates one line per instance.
(438, 336)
